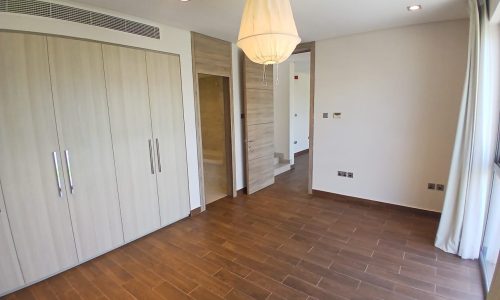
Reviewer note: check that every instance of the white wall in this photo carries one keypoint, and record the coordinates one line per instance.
(281, 98)
(494, 9)
(289, 99)
(237, 54)
(172, 40)
(301, 105)
(399, 92)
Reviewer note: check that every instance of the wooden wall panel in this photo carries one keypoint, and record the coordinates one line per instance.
(260, 174)
(259, 126)
(260, 141)
(212, 56)
(256, 77)
(212, 115)
(259, 109)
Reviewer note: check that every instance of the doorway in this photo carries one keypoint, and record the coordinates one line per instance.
(300, 92)
(214, 105)
(293, 103)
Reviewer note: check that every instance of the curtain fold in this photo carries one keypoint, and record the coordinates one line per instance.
(469, 184)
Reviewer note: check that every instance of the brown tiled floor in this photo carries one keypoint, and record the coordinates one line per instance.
(277, 244)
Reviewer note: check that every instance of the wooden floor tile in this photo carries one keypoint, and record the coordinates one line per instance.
(279, 243)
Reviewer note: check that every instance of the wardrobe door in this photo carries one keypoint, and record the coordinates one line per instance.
(164, 77)
(130, 115)
(30, 164)
(10, 272)
(81, 107)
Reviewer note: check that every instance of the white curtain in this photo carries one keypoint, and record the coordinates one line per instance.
(469, 185)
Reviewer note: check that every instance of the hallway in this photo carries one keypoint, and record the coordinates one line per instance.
(279, 243)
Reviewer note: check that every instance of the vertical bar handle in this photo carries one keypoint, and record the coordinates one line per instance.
(158, 155)
(58, 177)
(70, 176)
(151, 157)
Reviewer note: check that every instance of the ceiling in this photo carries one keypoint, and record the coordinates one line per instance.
(316, 19)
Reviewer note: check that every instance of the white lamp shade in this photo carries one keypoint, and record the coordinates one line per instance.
(268, 34)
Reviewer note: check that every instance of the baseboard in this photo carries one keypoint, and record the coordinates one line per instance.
(362, 201)
(301, 153)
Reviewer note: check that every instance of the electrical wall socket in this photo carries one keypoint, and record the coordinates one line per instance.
(435, 186)
(345, 174)
(325, 115)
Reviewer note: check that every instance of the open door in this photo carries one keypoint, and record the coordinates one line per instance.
(259, 126)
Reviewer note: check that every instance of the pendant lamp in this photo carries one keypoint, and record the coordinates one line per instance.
(268, 34)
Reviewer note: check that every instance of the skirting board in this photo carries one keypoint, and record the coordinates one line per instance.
(344, 198)
(197, 211)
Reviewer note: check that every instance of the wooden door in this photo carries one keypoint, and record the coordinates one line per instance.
(259, 126)
(133, 143)
(10, 271)
(30, 159)
(80, 102)
(165, 90)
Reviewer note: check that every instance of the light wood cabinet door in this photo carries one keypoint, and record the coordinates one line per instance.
(259, 126)
(10, 271)
(164, 77)
(133, 144)
(38, 211)
(81, 107)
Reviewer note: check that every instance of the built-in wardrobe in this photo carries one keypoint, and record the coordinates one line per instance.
(92, 151)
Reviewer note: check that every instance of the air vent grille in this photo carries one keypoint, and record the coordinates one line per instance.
(78, 15)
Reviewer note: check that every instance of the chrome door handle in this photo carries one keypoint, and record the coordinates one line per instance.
(158, 155)
(70, 177)
(151, 157)
(58, 177)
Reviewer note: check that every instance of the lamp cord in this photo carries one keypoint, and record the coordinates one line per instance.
(264, 74)
(264, 81)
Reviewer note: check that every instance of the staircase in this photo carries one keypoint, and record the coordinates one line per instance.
(281, 165)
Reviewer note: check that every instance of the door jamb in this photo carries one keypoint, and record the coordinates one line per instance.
(303, 48)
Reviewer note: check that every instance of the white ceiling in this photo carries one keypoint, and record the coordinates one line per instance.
(316, 19)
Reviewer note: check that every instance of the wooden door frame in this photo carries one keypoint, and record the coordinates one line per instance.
(311, 48)
(216, 70)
